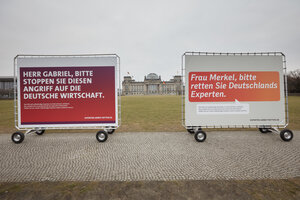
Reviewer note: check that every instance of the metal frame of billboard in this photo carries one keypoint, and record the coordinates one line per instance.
(33, 128)
(198, 126)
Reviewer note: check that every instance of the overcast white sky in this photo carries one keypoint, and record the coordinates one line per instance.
(149, 36)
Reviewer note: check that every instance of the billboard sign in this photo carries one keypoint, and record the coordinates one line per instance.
(234, 90)
(67, 91)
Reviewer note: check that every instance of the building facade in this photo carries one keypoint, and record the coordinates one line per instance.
(6, 87)
(152, 85)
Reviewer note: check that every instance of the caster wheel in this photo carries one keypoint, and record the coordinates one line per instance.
(191, 131)
(40, 132)
(286, 135)
(200, 136)
(101, 136)
(110, 131)
(17, 137)
(264, 130)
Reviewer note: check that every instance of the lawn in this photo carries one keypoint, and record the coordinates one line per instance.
(7, 116)
(146, 113)
(202, 189)
(294, 112)
(151, 113)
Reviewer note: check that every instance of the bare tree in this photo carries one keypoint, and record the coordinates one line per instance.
(293, 80)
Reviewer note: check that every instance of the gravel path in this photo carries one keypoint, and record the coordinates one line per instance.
(149, 156)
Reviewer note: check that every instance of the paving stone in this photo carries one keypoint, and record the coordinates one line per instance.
(149, 156)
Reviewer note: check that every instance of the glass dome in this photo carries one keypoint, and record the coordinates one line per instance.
(152, 76)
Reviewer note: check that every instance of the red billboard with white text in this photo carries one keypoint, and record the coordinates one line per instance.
(67, 95)
(67, 91)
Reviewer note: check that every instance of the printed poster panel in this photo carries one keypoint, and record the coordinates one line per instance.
(54, 93)
(234, 90)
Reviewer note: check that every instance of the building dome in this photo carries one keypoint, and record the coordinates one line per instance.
(152, 76)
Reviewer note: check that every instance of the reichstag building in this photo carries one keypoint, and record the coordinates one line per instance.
(152, 85)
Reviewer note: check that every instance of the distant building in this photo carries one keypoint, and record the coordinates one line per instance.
(6, 87)
(152, 85)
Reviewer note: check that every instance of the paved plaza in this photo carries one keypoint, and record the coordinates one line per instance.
(149, 156)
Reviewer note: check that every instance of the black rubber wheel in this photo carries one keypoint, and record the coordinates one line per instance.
(264, 130)
(40, 132)
(101, 136)
(286, 135)
(17, 137)
(200, 136)
(110, 131)
(190, 130)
